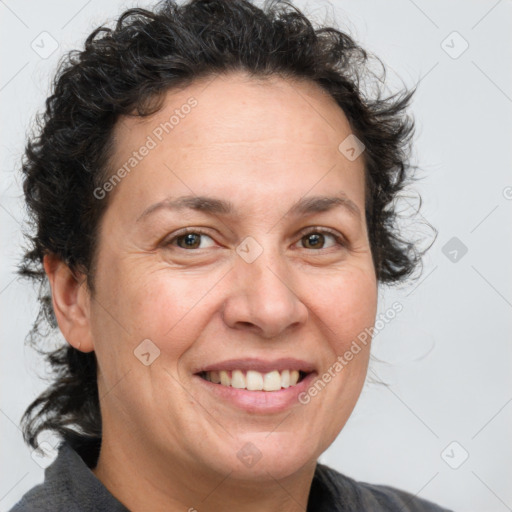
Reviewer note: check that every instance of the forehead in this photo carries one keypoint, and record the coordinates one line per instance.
(237, 108)
(237, 130)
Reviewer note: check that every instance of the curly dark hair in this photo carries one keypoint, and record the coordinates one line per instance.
(127, 69)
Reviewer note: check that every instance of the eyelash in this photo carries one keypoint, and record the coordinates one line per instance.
(340, 241)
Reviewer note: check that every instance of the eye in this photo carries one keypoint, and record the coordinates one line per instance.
(190, 239)
(315, 238)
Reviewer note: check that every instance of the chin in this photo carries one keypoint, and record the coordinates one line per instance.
(271, 456)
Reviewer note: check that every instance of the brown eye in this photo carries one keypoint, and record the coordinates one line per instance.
(316, 239)
(189, 240)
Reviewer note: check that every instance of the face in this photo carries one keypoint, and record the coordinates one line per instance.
(263, 276)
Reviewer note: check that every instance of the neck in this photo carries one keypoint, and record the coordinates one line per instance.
(142, 481)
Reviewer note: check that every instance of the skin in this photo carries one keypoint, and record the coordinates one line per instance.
(262, 144)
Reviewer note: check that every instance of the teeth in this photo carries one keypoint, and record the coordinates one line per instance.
(225, 379)
(272, 381)
(238, 380)
(285, 378)
(254, 381)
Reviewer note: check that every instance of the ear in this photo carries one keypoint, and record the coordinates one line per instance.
(71, 303)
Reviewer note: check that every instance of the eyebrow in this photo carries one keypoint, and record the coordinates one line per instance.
(211, 205)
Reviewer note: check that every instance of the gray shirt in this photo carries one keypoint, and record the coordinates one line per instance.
(71, 486)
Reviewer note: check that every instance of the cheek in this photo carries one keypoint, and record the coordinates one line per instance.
(165, 308)
(350, 305)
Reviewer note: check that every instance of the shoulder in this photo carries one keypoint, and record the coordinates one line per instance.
(344, 494)
(50, 496)
(54, 493)
(41, 498)
(69, 485)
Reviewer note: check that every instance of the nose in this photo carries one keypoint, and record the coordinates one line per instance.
(263, 298)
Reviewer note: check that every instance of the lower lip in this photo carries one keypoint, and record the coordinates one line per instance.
(263, 402)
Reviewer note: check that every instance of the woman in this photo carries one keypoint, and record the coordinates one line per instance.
(212, 196)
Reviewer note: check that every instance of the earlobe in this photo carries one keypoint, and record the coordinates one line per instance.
(71, 303)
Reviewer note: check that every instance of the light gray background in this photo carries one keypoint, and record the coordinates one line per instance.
(448, 352)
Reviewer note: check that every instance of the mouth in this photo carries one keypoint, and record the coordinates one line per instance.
(255, 385)
(253, 380)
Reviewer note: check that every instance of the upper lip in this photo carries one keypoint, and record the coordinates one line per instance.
(258, 365)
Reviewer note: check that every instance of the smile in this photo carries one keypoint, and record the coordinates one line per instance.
(256, 385)
(252, 380)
